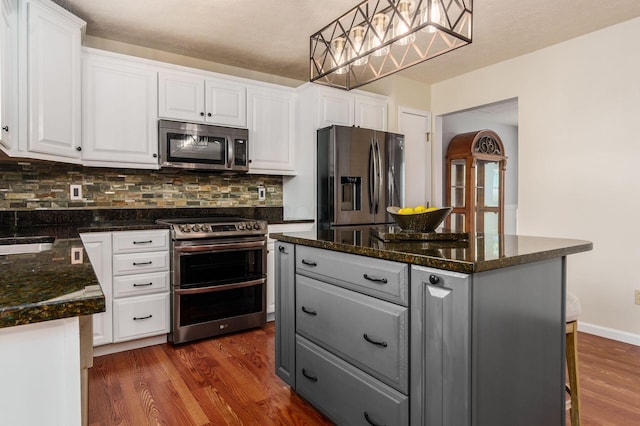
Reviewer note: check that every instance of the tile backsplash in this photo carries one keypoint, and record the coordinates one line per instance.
(46, 185)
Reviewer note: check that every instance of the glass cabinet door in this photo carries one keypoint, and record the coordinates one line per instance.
(458, 183)
(476, 164)
(487, 194)
(458, 194)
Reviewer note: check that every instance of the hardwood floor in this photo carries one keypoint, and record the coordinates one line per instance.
(230, 380)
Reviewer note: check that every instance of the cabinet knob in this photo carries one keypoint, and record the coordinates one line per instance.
(281, 249)
(5, 128)
(208, 114)
(79, 148)
(434, 279)
(155, 155)
(202, 114)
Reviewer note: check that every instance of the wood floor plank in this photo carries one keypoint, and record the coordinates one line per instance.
(230, 380)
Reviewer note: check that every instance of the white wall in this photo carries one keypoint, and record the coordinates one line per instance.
(579, 152)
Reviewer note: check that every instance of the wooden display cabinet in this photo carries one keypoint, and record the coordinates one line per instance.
(476, 164)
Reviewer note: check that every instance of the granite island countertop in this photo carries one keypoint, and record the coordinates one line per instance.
(36, 287)
(477, 253)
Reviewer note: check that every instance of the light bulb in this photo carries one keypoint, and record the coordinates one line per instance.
(357, 39)
(339, 54)
(379, 24)
(402, 26)
(436, 16)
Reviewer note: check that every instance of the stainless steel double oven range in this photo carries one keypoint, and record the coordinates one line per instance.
(218, 267)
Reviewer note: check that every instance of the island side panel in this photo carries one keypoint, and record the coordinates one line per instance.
(518, 345)
(440, 347)
(285, 301)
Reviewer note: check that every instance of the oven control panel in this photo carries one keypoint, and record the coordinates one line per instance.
(209, 230)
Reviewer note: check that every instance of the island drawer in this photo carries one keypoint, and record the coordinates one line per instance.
(139, 263)
(344, 393)
(370, 333)
(140, 241)
(135, 285)
(141, 316)
(380, 278)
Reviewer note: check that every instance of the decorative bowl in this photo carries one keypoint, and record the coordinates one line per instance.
(419, 222)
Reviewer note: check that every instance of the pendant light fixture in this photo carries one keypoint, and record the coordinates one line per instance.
(380, 37)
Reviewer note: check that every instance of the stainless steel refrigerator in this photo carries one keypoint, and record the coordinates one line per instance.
(360, 172)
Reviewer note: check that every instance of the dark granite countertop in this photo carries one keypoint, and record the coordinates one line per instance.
(45, 286)
(480, 252)
(71, 222)
(139, 225)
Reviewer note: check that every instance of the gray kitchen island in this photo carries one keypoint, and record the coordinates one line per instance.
(374, 326)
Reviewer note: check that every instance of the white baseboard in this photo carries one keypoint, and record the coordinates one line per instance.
(609, 333)
(131, 344)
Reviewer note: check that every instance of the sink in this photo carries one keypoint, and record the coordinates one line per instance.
(21, 245)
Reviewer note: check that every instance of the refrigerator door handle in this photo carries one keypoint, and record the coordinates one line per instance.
(371, 184)
(378, 180)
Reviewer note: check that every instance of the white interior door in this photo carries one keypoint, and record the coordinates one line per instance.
(415, 125)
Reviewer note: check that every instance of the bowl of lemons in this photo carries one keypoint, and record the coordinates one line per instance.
(419, 218)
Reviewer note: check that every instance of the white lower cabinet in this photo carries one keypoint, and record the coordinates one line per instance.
(139, 284)
(40, 373)
(98, 248)
(133, 270)
(140, 316)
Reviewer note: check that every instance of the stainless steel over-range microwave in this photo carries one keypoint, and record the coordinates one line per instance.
(203, 147)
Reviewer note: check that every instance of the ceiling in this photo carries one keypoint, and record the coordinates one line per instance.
(272, 36)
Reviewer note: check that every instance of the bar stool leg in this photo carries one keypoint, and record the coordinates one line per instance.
(572, 368)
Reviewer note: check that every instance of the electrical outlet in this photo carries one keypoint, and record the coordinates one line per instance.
(76, 255)
(637, 297)
(262, 193)
(75, 192)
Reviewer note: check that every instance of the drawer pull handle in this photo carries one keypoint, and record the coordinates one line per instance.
(371, 422)
(368, 339)
(142, 285)
(375, 279)
(309, 262)
(143, 242)
(307, 311)
(308, 376)
(141, 318)
(142, 263)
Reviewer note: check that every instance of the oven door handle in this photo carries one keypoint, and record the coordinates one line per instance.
(213, 288)
(226, 246)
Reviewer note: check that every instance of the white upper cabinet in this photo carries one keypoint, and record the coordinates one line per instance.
(8, 74)
(226, 103)
(371, 112)
(271, 130)
(335, 107)
(53, 80)
(351, 109)
(119, 117)
(194, 98)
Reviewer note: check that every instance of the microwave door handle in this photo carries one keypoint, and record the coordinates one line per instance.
(229, 152)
